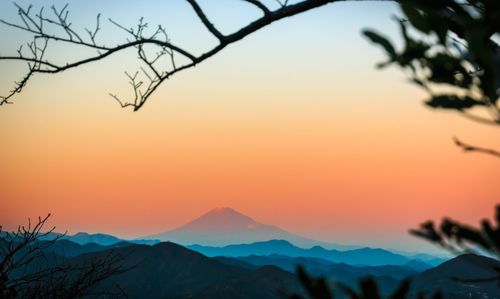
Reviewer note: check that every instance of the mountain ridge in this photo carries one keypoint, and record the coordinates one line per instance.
(363, 256)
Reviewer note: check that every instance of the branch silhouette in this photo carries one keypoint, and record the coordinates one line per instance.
(471, 148)
(148, 78)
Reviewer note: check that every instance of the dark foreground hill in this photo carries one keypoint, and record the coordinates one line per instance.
(387, 277)
(466, 276)
(168, 270)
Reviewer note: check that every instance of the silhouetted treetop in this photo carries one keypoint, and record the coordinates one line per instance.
(27, 270)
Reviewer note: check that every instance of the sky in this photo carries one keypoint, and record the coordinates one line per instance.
(292, 126)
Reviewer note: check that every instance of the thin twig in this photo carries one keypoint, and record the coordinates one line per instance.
(470, 148)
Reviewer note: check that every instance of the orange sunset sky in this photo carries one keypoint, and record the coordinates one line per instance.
(292, 126)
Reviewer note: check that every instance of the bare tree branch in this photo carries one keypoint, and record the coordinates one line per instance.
(21, 275)
(205, 20)
(155, 71)
(261, 6)
(470, 148)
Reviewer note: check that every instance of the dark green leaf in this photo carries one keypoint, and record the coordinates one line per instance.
(416, 18)
(437, 295)
(381, 40)
(348, 291)
(453, 102)
(317, 288)
(402, 291)
(369, 289)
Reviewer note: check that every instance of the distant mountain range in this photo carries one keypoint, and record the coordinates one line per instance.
(83, 238)
(318, 266)
(362, 256)
(68, 248)
(272, 248)
(168, 270)
(388, 277)
(248, 237)
(227, 227)
(224, 226)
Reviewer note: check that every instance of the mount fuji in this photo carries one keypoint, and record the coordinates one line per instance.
(225, 226)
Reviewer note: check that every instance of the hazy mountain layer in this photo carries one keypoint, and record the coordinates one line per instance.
(361, 256)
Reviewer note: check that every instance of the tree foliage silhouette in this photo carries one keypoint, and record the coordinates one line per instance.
(451, 50)
(318, 288)
(460, 238)
(458, 51)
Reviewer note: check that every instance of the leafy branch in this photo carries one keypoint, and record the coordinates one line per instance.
(455, 57)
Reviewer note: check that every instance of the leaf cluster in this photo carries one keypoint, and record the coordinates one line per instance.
(449, 45)
(462, 238)
(318, 288)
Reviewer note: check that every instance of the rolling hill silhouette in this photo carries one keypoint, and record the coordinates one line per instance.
(168, 270)
(465, 276)
(224, 226)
